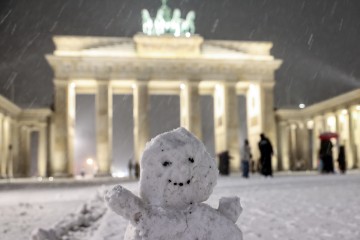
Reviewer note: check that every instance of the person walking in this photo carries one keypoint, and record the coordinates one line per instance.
(326, 156)
(342, 159)
(130, 168)
(266, 152)
(224, 163)
(245, 159)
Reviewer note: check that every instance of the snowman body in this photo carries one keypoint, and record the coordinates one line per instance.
(177, 175)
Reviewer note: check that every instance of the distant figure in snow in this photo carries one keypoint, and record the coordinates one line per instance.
(137, 170)
(266, 152)
(130, 167)
(224, 163)
(326, 156)
(245, 159)
(342, 159)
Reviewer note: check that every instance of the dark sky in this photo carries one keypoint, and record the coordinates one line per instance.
(317, 39)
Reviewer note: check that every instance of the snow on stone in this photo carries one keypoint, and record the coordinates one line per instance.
(177, 175)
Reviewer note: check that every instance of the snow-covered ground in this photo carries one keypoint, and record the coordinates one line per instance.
(23, 210)
(297, 206)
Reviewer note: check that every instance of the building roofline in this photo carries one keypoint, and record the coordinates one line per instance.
(9, 107)
(333, 104)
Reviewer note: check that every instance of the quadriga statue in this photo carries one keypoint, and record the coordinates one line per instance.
(188, 26)
(176, 22)
(147, 22)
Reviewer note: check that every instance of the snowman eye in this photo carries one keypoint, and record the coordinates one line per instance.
(166, 163)
(191, 160)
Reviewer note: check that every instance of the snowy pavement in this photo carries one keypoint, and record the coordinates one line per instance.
(23, 210)
(286, 207)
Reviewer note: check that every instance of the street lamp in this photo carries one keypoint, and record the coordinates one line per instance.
(90, 161)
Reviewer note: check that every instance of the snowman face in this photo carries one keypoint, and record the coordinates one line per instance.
(176, 170)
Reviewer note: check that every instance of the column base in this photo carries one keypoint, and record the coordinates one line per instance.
(60, 175)
(102, 175)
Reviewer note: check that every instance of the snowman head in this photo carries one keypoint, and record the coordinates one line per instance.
(176, 170)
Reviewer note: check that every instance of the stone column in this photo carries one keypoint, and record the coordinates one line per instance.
(64, 129)
(141, 115)
(354, 123)
(14, 151)
(293, 148)
(5, 146)
(42, 150)
(351, 132)
(226, 122)
(104, 128)
(303, 145)
(319, 127)
(2, 143)
(346, 138)
(261, 117)
(190, 107)
(24, 152)
(342, 129)
(355, 115)
(284, 146)
(9, 156)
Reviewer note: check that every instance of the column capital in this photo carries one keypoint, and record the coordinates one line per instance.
(193, 79)
(284, 123)
(41, 125)
(102, 81)
(141, 82)
(241, 90)
(267, 84)
(229, 84)
(319, 117)
(192, 83)
(60, 82)
(142, 79)
(354, 107)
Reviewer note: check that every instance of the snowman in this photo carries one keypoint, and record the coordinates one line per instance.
(177, 176)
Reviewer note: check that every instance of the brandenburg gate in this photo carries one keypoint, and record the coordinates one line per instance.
(167, 58)
(145, 65)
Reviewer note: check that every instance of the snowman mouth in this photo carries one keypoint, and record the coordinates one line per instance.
(180, 184)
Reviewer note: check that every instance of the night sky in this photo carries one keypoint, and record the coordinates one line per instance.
(317, 39)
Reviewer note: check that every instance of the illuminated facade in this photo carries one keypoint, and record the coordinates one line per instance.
(299, 132)
(184, 66)
(146, 65)
(16, 127)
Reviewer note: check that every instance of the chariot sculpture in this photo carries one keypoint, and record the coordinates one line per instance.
(168, 22)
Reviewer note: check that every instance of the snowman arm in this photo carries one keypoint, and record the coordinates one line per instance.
(230, 207)
(125, 203)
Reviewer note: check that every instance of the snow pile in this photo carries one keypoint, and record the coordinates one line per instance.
(85, 217)
(177, 175)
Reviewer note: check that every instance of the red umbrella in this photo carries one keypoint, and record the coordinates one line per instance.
(328, 135)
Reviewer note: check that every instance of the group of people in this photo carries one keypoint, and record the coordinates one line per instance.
(247, 164)
(326, 161)
(326, 164)
(266, 152)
